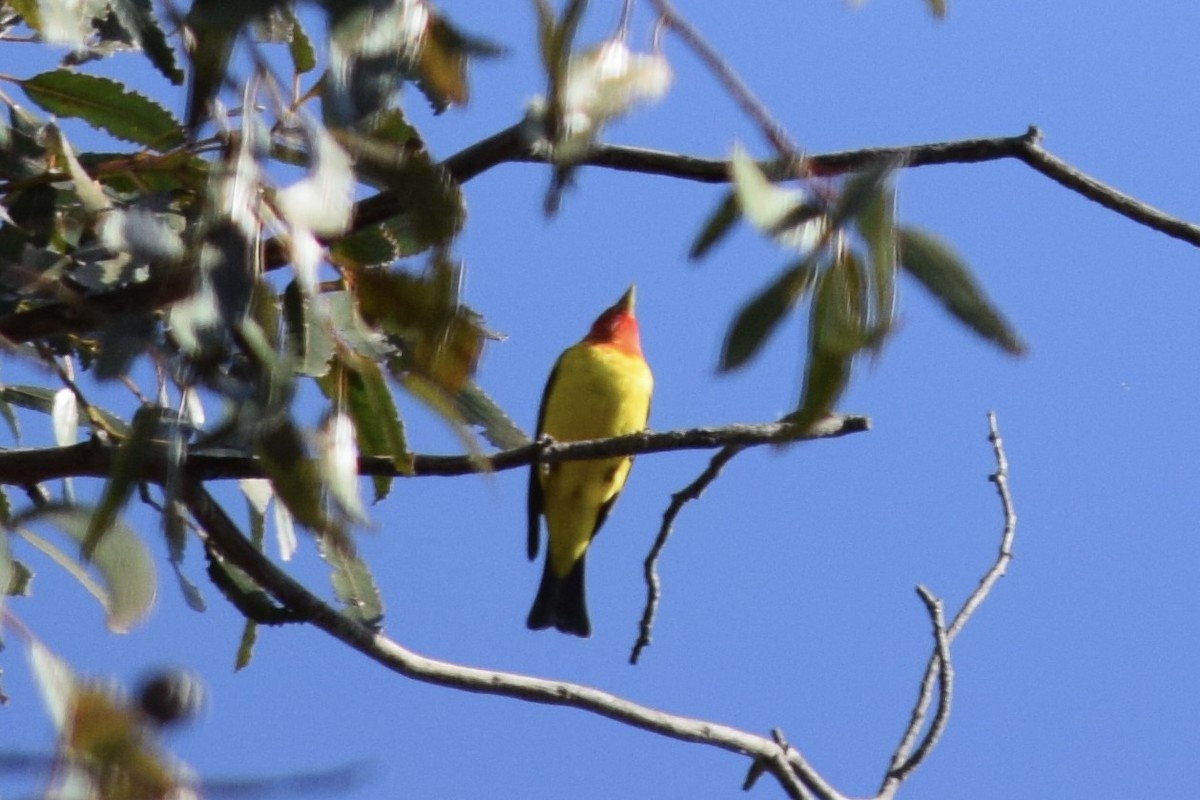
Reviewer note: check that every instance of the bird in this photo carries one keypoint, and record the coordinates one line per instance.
(599, 387)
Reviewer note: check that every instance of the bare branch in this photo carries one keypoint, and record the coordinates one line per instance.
(94, 459)
(513, 145)
(222, 534)
(901, 764)
(650, 566)
(945, 679)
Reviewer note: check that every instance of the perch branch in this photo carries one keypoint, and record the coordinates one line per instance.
(94, 459)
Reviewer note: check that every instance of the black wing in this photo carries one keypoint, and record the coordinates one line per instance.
(533, 504)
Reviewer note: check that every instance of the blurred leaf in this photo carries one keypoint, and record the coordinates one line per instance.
(8, 575)
(244, 594)
(304, 57)
(863, 187)
(835, 336)
(22, 148)
(20, 583)
(480, 410)
(245, 649)
(293, 474)
(137, 16)
(64, 417)
(10, 418)
(107, 105)
(309, 338)
(825, 379)
(718, 224)
(214, 24)
(359, 384)
(937, 8)
(763, 313)
(122, 339)
(28, 11)
(39, 398)
(88, 190)
(322, 201)
(109, 736)
(876, 224)
(56, 683)
(556, 37)
(765, 205)
(947, 278)
(126, 471)
(120, 557)
(441, 63)
(442, 338)
(353, 584)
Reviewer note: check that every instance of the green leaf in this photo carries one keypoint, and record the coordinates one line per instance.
(39, 398)
(718, 224)
(763, 313)
(120, 557)
(245, 649)
(126, 471)
(8, 574)
(831, 345)
(214, 24)
(443, 338)
(309, 337)
(244, 594)
(293, 474)
(352, 582)
(863, 187)
(357, 384)
(440, 70)
(304, 57)
(107, 105)
(138, 18)
(876, 224)
(947, 278)
(480, 410)
(825, 380)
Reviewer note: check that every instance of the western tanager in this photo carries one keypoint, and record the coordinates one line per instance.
(599, 387)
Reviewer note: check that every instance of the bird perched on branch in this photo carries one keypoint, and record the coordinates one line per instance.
(599, 388)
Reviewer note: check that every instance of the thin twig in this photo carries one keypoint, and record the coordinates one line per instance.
(650, 566)
(901, 764)
(734, 85)
(945, 679)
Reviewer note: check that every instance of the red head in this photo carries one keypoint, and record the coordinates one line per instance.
(617, 327)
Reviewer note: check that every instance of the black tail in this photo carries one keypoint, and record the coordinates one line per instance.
(560, 602)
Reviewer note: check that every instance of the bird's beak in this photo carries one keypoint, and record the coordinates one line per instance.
(627, 300)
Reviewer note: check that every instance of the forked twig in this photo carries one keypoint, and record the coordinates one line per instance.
(909, 753)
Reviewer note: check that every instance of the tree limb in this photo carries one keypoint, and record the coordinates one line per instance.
(95, 459)
(222, 534)
(516, 145)
(905, 759)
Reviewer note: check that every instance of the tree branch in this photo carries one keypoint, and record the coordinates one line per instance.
(904, 760)
(515, 145)
(650, 566)
(95, 459)
(222, 534)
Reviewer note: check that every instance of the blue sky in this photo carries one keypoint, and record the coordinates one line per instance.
(788, 598)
